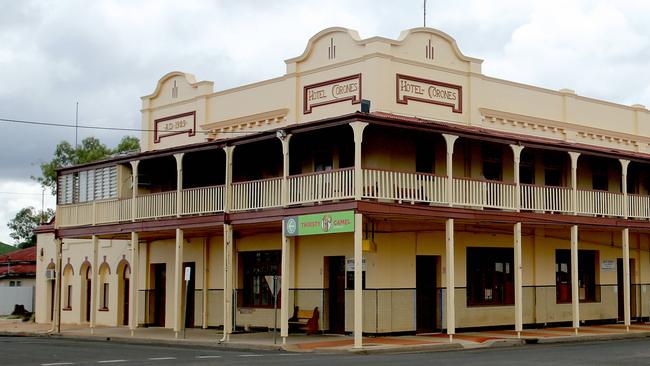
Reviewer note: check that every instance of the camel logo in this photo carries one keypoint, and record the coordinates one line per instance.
(326, 223)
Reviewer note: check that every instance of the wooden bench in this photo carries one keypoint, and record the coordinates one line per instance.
(304, 320)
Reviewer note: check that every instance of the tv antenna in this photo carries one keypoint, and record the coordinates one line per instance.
(425, 13)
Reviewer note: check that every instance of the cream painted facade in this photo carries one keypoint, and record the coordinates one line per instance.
(520, 204)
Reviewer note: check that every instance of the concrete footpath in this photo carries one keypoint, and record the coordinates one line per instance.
(329, 343)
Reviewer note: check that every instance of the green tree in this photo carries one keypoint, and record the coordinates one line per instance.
(90, 149)
(23, 224)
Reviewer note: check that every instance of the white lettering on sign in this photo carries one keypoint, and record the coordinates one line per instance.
(175, 125)
(332, 91)
(349, 264)
(429, 91)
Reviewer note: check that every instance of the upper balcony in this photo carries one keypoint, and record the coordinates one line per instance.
(396, 165)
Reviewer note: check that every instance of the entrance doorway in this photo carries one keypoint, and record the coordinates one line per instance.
(159, 271)
(87, 289)
(336, 293)
(620, 290)
(189, 304)
(426, 280)
(125, 295)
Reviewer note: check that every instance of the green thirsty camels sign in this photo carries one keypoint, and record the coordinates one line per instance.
(317, 224)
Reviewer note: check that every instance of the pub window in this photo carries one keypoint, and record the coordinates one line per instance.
(492, 163)
(490, 276)
(424, 156)
(553, 168)
(105, 296)
(527, 167)
(600, 176)
(587, 288)
(257, 265)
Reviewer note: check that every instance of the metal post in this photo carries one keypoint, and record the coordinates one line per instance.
(134, 283)
(227, 282)
(450, 140)
(206, 280)
(575, 300)
(178, 283)
(284, 287)
(518, 281)
(449, 256)
(56, 326)
(626, 278)
(94, 283)
(357, 128)
(358, 278)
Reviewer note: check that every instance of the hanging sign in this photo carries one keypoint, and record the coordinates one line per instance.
(317, 224)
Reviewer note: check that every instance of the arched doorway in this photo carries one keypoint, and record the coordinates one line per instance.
(123, 292)
(86, 291)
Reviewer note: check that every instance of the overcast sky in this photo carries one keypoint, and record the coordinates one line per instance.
(106, 54)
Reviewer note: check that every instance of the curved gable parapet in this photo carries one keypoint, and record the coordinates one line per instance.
(435, 32)
(312, 41)
(185, 86)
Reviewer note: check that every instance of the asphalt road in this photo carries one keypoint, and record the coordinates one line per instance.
(52, 352)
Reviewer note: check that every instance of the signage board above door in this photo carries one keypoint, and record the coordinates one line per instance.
(318, 224)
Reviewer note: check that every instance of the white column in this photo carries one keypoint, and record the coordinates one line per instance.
(624, 165)
(179, 183)
(626, 278)
(134, 189)
(575, 300)
(206, 281)
(519, 305)
(449, 141)
(178, 284)
(449, 258)
(56, 317)
(358, 281)
(357, 128)
(574, 180)
(133, 282)
(227, 281)
(516, 152)
(94, 283)
(227, 197)
(284, 285)
(285, 168)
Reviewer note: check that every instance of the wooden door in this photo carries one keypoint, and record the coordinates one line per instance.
(159, 296)
(426, 293)
(336, 282)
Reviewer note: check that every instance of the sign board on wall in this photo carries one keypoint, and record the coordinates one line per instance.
(332, 91)
(322, 223)
(608, 265)
(429, 91)
(175, 125)
(349, 264)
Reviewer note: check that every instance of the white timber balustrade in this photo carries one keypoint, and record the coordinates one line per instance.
(202, 200)
(600, 203)
(484, 193)
(404, 187)
(546, 198)
(156, 205)
(321, 186)
(258, 194)
(638, 206)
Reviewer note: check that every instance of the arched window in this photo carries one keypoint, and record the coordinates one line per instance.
(104, 272)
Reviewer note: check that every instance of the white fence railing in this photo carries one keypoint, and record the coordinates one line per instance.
(75, 215)
(638, 206)
(156, 205)
(264, 193)
(321, 186)
(600, 203)
(404, 187)
(203, 200)
(483, 193)
(112, 211)
(546, 198)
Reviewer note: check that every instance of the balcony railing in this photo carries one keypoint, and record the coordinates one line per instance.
(321, 186)
(546, 198)
(258, 194)
(383, 185)
(404, 187)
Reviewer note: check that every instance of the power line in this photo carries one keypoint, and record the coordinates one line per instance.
(54, 124)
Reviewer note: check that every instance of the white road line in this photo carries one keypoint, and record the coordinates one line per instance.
(208, 356)
(250, 355)
(161, 358)
(111, 361)
(57, 363)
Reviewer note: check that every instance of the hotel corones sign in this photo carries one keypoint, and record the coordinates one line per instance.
(175, 125)
(429, 91)
(332, 91)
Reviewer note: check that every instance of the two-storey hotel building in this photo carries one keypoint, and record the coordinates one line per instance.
(388, 183)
